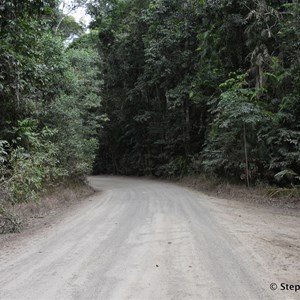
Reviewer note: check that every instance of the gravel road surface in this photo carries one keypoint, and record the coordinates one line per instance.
(145, 239)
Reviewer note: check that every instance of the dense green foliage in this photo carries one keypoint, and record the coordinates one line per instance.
(193, 86)
(49, 99)
(185, 87)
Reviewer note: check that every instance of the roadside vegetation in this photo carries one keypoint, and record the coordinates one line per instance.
(165, 88)
(49, 102)
(193, 87)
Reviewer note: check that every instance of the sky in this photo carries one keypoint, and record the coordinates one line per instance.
(79, 14)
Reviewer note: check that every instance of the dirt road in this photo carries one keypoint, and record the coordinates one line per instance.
(144, 239)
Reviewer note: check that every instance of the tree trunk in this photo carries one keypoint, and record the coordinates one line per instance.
(246, 157)
(259, 77)
(187, 138)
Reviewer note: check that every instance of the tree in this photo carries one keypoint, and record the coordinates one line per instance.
(232, 148)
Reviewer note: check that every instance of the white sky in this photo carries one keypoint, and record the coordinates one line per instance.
(79, 14)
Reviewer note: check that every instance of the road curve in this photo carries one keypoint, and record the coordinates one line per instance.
(136, 239)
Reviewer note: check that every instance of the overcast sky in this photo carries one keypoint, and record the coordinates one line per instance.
(79, 14)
